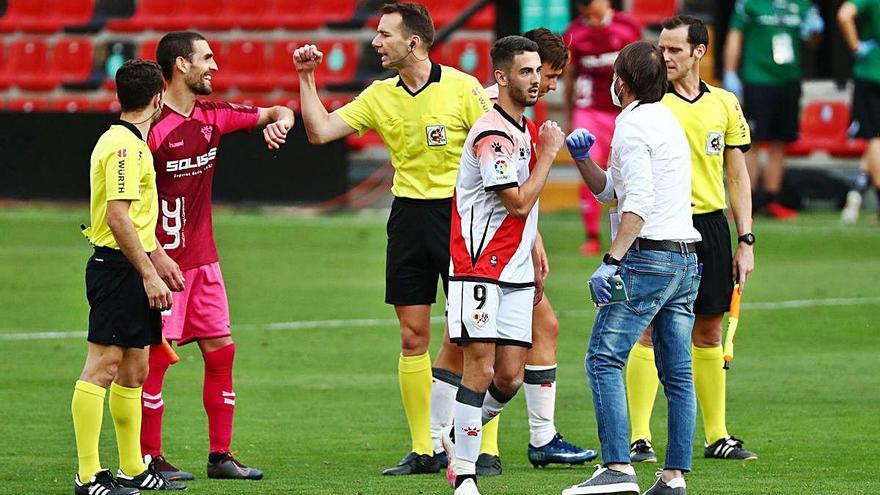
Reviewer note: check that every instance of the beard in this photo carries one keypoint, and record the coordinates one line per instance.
(198, 85)
(522, 97)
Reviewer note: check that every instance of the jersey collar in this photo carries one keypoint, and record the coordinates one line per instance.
(129, 126)
(432, 78)
(703, 90)
(507, 117)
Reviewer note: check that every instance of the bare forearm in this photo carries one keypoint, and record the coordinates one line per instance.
(279, 113)
(740, 189)
(732, 51)
(592, 174)
(629, 229)
(528, 193)
(846, 19)
(315, 116)
(130, 244)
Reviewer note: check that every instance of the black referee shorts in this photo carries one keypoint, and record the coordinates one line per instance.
(772, 111)
(715, 254)
(418, 250)
(865, 110)
(120, 312)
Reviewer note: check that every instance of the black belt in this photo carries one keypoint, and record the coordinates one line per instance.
(674, 246)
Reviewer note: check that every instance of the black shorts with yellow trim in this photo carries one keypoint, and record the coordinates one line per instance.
(417, 255)
(120, 312)
(715, 254)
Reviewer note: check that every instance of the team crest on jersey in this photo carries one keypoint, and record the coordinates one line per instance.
(207, 131)
(436, 135)
(480, 317)
(493, 260)
(714, 143)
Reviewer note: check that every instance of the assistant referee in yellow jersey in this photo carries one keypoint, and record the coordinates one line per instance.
(423, 115)
(124, 291)
(718, 136)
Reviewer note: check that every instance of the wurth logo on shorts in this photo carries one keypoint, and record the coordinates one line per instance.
(193, 162)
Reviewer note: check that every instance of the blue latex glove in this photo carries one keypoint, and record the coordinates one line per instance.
(579, 143)
(813, 23)
(865, 47)
(733, 84)
(601, 285)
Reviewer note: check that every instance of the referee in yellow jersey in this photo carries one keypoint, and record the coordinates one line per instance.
(124, 291)
(718, 136)
(423, 115)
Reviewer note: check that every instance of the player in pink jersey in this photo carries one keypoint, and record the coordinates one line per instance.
(546, 445)
(184, 144)
(595, 37)
(493, 278)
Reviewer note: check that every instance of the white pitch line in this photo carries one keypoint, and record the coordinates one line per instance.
(380, 322)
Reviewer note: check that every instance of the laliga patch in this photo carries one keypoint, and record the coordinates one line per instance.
(436, 135)
(502, 171)
(480, 317)
(714, 143)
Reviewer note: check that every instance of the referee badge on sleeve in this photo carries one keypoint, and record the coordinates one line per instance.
(436, 135)
(714, 143)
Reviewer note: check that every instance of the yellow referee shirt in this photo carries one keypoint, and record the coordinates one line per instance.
(711, 122)
(122, 168)
(424, 130)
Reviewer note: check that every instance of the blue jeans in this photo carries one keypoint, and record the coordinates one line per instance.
(662, 287)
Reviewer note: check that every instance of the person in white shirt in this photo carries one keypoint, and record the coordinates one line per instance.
(653, 253)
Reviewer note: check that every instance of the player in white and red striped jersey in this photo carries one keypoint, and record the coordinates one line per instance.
(184, 143)
(493, 282)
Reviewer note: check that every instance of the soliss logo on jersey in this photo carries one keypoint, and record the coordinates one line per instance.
(480, 317)
(436, 135)
(714, 143)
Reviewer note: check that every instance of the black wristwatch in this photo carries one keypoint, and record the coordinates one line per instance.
(749, 239)
(610, 260)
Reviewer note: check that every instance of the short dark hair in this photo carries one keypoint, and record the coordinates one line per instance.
(698, 34)
(173, 45)
(137, 82)
(551, 47)
(640, 64)
(416, 19)
(508, 47)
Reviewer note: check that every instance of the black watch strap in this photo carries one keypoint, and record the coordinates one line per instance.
(610, 260)
(747, 238)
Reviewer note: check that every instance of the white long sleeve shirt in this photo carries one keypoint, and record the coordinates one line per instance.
(650, 172)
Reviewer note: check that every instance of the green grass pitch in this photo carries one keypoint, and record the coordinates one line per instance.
(318, 404)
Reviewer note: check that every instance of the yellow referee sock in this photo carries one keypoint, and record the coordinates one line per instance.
(711, 387)
(490, 437)
(414, 373)
(641, 390)
(87, 409)
(125, 408)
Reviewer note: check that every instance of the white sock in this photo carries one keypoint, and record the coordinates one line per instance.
(468, 430)
(494, 403)
(540, 389)
(442, 403)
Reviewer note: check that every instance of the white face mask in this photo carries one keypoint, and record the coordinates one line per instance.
(615, 98)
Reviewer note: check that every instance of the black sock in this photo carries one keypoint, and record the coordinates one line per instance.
(769, 197)
(459, 479)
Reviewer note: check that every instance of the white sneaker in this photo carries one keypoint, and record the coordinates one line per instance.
(467, 487)
(850, 212)
(449, 448)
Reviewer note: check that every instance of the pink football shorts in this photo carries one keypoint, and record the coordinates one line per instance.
(601, 124)
(201, 310)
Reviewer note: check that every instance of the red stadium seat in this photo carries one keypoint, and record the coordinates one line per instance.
(147, 50)
(290, 101)
(445, 11)
(72, 59)
(825, 127)
(71, 104)
(33, 16)
(254, 99)
(250, 14)
(334, 101)
(471, 56)
(652, 12)
(5, 78)
(340, 61)
(73, 12)
(222, 79)
(244, 66)
(206, 14)
(28, 60)
(28, 104)
(311, 14)
(108, 104)
(151, 14)
(281, 64)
